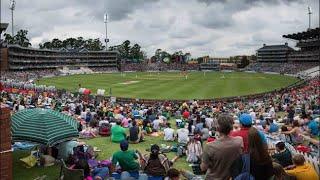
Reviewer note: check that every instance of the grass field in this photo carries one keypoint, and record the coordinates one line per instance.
(173, 85)
(107, 149)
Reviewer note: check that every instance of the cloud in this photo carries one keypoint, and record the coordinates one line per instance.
(201, 27)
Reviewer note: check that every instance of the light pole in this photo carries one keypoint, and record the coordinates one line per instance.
(106, 22)
(12, 7)
(309, 13)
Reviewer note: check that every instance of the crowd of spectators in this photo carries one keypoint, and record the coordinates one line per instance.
(219, 138)
(284, 68)
(104, 69)
(159, 66)
(28, 75)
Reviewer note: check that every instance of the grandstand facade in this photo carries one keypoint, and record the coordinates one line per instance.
(308, 43)
(14, 58)
(274, 53)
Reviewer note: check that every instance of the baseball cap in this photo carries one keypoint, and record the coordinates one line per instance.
(245, 119)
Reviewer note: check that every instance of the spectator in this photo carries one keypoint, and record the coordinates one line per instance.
(245, 124)
(282, 155)
(280, 174)
(295, 133)
(135, 134)
(156, 124)
(168, 133)
(173, 174)
(83, 164)
(194, 150)
(126, 158)
(118, 133)
(272, 127)
(313, 127)
(260, 161)
(155, 164)
(204, 133)
(65, 149)
(290, 114)
(219, 155)
(302, 170)
(182, 134)
(186, 114)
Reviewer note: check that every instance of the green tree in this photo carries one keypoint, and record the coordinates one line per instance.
(126, 48)
(80, 42)
(20, 38)
(9, 39)
(93, 44)
(244, 62)
(69, 43)
(56, 43)
(135, 52)
(45, 45)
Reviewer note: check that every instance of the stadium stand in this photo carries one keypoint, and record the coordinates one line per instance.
(21, 58)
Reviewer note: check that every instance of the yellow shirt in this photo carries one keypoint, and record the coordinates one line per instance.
(304, 172)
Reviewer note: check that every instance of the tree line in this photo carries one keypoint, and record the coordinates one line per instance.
(126, 50)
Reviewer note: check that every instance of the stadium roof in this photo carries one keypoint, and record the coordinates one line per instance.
(282, 47)
(61, 49)
(309, 34)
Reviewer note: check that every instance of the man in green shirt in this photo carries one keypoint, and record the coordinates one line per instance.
(126, 158)
(118, 133)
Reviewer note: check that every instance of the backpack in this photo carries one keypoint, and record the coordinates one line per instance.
(245, 172)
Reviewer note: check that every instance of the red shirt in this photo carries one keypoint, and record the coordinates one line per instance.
(243, 132)
(186, 114)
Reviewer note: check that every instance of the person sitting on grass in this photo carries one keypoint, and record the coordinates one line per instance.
(194, 150)
(135, 134)
(182, 134)
(98, 173)
(283, 155)
(301, 170)
(155, 163)
(204, 133)
(168, 133)
(173, 174)
(127, 159)
(118, 133)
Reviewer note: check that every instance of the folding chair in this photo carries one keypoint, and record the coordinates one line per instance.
(70, 174)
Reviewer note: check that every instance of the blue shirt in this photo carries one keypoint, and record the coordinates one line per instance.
(314, 127)
(263, 137)
(273, 128)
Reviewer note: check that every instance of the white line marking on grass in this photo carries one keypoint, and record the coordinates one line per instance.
(245, 77)
(129, 82)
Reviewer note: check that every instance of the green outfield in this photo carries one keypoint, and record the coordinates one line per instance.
(173, 85)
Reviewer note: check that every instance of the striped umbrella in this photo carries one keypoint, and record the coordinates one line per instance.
(44, 126)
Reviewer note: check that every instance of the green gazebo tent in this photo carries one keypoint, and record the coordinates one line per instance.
(43, 126)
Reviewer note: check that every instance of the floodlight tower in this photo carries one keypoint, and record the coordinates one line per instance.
(106, 22)
(309, 13)
(12, 8)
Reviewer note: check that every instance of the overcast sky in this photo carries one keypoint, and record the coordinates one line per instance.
(217, 28)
